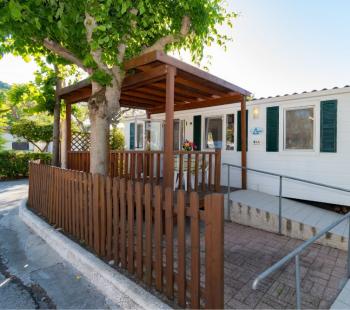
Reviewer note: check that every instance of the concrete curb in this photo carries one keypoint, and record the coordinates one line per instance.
(106, 279)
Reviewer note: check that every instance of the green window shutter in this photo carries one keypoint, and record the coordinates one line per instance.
(197, 131)
(328, 131)
(132, 136)
(272, 129)
(239, 136)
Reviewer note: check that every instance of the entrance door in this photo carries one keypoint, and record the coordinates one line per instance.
(179, 133)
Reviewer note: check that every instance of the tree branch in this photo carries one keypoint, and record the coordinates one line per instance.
(64, 53)
(172, 38)
(90, 25)
(122, 49)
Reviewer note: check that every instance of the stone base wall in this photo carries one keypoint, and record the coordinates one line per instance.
(246, 215)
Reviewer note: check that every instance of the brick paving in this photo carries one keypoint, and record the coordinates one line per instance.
(249, 251)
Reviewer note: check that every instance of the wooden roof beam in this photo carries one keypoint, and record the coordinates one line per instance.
(201, 104)
(144, 78)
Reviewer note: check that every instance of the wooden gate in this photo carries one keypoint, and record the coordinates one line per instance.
(167, 242)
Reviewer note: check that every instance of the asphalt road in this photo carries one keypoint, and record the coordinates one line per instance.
(32, 275)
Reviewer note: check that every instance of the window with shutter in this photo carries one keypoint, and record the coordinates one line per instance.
(239, 136)
(328, 130)
(272, 129)
(197, 131)
(132, 136)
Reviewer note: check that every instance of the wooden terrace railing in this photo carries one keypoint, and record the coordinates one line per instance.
(179, 254)
(200, 171)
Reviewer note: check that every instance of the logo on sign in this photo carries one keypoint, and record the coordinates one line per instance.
(256, 131)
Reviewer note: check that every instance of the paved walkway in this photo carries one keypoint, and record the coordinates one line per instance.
(293, 210)
(249, 251)
(32, 275)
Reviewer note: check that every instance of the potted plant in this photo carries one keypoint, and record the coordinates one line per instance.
(188, 146)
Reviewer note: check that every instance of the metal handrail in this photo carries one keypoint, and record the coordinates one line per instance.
(296, 252)
(281, 177)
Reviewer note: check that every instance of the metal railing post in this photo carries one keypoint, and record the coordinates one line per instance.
(297, 282)
(280, 208)
(228, 193)
(348, 261)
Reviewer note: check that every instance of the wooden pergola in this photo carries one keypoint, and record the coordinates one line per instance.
(158, 83)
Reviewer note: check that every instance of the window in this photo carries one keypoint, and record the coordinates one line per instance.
(299, 129)
(139, 136)
(179, 134)
(213, 132)
(20, 146)
(230, 132)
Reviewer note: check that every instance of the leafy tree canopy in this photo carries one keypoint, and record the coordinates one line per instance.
(97, 35)
(33, 132)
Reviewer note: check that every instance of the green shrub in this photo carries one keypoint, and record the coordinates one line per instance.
(117, 140)
(16, 164)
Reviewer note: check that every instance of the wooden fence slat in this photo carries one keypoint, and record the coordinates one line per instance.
(158, 233)
(130, 198)
(210, 168)
(75, 207)
(116, 211)
(103, 215)
(95, 213)
(214, 250)
(189, 162)
(109, 217)
(85, 207)
(158, 167)
(203, 172)
(81, 206)
(90, 210)
(169, 235)
(66, 200)
(139, 230)
(122, 197)
(195, 251)
(148, 232)
(196, 163)
(181, 249)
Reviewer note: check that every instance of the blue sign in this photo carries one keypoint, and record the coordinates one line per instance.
(256, 131)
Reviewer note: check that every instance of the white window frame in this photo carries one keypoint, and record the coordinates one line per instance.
(223, 131)
(312, 150)
(137, 134)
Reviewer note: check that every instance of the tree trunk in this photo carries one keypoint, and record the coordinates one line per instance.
(56, 124)
(103, 105)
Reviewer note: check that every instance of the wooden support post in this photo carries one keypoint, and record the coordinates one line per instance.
(68, 131)
(244, 142)
(214, 250)
(168, 162)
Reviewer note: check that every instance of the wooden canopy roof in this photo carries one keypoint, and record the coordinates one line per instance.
(144, 86)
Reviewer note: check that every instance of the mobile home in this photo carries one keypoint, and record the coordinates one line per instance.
(303, 135)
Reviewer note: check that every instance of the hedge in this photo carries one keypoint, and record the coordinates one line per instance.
(15, 164)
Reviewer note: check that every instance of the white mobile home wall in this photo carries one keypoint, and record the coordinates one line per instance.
(313, 165)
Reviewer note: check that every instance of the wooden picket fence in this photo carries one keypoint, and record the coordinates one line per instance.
(169, 244)
(146, 166)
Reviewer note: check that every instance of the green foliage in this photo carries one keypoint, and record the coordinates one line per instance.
(2, 142)
(33, 132)
(15, 164)
(117, 139)
(137, 24)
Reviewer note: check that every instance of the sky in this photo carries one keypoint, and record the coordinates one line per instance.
(279, 47)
